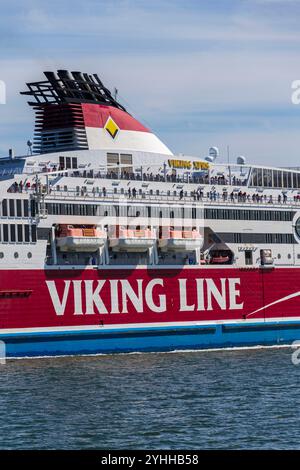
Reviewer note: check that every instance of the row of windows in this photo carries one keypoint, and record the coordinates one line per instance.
(17, 233)
(16, 255)
(245, 237)
(17, 208)
(147, 211)
(274, 178)
(66, 163)
(244, 214)
(122, 211)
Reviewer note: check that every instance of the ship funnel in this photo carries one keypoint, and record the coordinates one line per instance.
(55, 82)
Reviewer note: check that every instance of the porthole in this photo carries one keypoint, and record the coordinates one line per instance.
(1, 255)
(29, 254)
(279, 256)
(297, 227)
(289, 256)
(16, 254)
(298, 256)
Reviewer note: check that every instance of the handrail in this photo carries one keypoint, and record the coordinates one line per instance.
(67, 195)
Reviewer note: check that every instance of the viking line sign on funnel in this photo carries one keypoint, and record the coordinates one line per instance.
(111, 296)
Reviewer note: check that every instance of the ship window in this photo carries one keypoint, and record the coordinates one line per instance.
(11, 207)
(295, 180)
(20, 232)
(61, 163)
(5, 232)
(126, 159)
(12, 233)
(112, 159)
(248, 257)
(298, 256)
(74, 163)
(19, 208)
(1, 255)
(25, 208)
(16, 254)
(259, 177)
(29, 255)
(33, 233)
(4, 207)
(27, 238)
(68, 163)
(289, 256)
(276, 178)
(279, 256)
(297, 227)
(32, 208)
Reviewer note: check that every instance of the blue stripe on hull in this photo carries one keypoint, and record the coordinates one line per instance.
(150, 339)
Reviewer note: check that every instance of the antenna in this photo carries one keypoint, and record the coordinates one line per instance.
(29, 145)
(115, 94)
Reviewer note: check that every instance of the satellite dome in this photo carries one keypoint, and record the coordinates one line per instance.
(213, 152)
(241, 160)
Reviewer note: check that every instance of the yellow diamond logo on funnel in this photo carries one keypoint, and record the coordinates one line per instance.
(111, 127)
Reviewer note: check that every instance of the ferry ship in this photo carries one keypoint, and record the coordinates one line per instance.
(111, 243)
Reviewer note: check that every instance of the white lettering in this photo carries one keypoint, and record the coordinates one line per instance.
(77, 298)
(212, 291)
(233, 294)
(59, 305)
(114, 296)
(136, 299)
(200, 294)
(161, 307)
(93, 297)
(184, 307)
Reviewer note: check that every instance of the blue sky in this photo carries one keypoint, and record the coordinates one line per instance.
(199, 73)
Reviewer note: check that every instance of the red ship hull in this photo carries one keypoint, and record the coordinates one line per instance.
(34, 302)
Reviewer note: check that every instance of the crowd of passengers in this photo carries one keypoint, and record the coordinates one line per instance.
(197, 195)
(169, 178)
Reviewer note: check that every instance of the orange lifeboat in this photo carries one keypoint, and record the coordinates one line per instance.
(131, 240)
(78, 238)
(180, 240)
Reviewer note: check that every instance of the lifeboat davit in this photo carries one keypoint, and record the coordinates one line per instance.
(80, 238)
